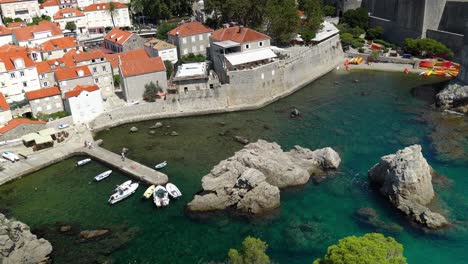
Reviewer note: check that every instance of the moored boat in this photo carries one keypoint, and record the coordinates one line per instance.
(161, 165)
(149, 192)
(123, 192)
(173, 191)
(83, 162)
(103, 175)
(160, 196)
(123, 185)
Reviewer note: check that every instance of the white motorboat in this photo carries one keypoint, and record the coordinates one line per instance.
(161, 165)
(83, 162)
(173, 191)
(123, 192)
(123, 185)
(103, 175)
(149, 192)
(10, 156)
(160, 196)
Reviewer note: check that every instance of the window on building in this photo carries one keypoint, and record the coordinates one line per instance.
(21, 73)
(46, 84)
(193, 39)
(194, 49)
(184, 40)
(260, 44)
(42, 76)
(263, 76)
(202, 47)
(247, 46)
(185, 53)
(273, 72)
(96, 80)
(200, 37)
(104, 68)
(25, 84)
(12, 75)
(94, 69)
(50, 52)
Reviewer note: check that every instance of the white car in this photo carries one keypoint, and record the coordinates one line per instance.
(10, 156)
(62, 126)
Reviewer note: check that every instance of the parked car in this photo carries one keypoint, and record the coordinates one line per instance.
(10, 156)
(62, 126)
(407, 56)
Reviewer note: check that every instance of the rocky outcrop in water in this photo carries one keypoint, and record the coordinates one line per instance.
(19, 245)
(405, 178)
(250, 180)
(454, 96)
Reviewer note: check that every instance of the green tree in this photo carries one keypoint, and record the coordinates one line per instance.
(70, 26)
(357, 18)
(374, 33)
(7, 20)
(346, 38)
(356, 31)
(374, 56)
(112, 11)
(282, 20)
(36, 20)
(17, 19)
(371, 248)
(314, 14)
(164, 28)
(329, 10)
(427, 47)
(116, 80)
(252, 251)
(190, 58)
(169, 68)
(151, 91)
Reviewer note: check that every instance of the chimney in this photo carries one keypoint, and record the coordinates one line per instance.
(240, 29)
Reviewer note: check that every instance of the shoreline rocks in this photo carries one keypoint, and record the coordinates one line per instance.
(250, 181)
(19, 245)
(405, 178)
(454, 96)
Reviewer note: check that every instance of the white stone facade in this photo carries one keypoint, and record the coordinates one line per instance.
(25, 9)
(85, 106)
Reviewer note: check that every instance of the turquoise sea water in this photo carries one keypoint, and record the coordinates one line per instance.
(362, 120)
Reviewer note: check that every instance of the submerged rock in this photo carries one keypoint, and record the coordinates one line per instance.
(242, 140)
(133, 129)
(295, 113)
(89, 234)
(157, 125)
(250, 180)
(19, 245)
(405, 179)
(173, 133)
(370, 217)
(66, 228)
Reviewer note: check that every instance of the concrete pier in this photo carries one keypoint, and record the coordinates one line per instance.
(130, 167)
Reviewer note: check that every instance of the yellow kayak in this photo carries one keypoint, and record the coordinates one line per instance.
(149, 192)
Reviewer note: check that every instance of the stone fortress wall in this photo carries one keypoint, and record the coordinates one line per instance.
(247, 90)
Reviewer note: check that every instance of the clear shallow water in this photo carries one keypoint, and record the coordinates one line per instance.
(362, 121)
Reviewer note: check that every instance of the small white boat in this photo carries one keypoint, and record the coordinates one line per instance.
(103, 175)
(453, 112)
(160, 196)
(173, 191)
(149, 192)
(123, 192)
(10, 156)
(123, 185)
(83, 162)
(161, 165)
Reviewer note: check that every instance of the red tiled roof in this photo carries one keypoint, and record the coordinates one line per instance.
(139, 67)
(9, 48)
(3, 103)
(12, 1)
(79, 56)
(61, 12)
(190, 28)
(43, 67)
(4, 31)
(118, 36)
(58, 44)
(103, 6)
(80, 88)
(8, 58)
(71, 73)
(138, 54)
(49, 3)
(26, 33)
(12, 25)
(238, 34)
(42, 93)
(18, 121)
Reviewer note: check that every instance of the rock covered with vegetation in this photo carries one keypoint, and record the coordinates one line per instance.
(19, 245)
(405, 178)
(370, 248)
(252, 251)
(250, 180)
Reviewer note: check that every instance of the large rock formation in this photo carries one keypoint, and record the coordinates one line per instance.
(455, 95)
(405, 178)
(250, 180)
(19, 245)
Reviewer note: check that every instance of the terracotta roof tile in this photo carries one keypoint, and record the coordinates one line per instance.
(158, 44)
(190, 28)
(12, 1)
(4, 31)
(49, 3)
(118, 36)
(61, 12)
(71, 73)
(43, 93)
(139, 67)
(43, 67)
(58, 44)
(139, 54)
(238, 34)
(103, 6)
(3, 103)
(12, 25)
(80, 88)
(8, 58)
(9, 48)
(79, 56)
(26, 33)
(18, 121)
